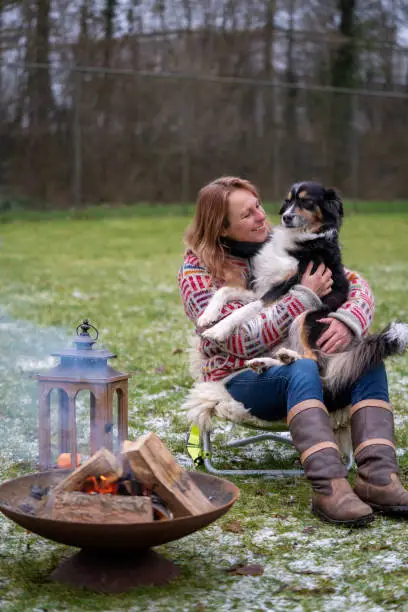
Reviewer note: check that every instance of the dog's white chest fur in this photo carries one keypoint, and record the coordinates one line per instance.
(273, 263)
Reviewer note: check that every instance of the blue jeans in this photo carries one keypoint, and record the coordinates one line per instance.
(270, 395)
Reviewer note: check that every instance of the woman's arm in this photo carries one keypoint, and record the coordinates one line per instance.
(358, 310)
(258, 335)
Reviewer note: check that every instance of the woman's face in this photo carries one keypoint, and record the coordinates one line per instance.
(247, 218)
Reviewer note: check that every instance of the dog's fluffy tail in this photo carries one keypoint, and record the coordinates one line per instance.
(211, 399)
(343, 369)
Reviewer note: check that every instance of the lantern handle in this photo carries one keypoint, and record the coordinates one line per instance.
(84, 327)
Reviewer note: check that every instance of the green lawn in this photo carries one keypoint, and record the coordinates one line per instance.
(119, 270)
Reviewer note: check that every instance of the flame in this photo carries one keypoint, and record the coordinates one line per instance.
(103, 485)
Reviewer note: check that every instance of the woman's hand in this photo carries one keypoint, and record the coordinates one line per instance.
(336, 338)
(320, 281)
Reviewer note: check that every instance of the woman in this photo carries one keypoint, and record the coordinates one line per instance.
(228, 229)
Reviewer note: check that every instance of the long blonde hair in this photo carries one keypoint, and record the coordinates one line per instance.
(210, 219)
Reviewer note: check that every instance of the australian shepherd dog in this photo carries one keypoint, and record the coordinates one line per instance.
(311, 219)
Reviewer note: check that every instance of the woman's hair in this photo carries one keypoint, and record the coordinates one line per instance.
(210, 219)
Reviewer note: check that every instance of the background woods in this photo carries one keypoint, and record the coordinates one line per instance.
(120, 100)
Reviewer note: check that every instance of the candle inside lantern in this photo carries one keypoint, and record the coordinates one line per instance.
(65, 460)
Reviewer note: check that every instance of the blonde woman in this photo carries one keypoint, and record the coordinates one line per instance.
(228, 229)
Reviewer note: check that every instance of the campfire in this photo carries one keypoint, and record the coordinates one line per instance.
(143, 483)
(115, 508)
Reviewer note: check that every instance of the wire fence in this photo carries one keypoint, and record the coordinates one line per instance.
(74, 135)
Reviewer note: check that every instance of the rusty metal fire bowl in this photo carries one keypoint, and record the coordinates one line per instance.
(114, 557)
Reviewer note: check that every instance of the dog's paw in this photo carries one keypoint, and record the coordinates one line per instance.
(218, 333)
(257, 365)
(287, 356)
(205, 320)
(260, 365)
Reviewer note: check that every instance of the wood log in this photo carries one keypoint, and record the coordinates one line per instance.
(155, 466)
(102, 463)
(84, 508)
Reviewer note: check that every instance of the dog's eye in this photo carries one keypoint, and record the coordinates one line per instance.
(309, 204)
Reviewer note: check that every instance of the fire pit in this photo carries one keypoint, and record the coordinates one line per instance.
(114, 557)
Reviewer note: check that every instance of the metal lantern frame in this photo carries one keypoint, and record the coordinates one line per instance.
(82, 368)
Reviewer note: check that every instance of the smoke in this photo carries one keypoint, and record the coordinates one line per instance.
(25, 349)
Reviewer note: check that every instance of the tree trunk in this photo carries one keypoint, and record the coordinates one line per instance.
(108, 84)
(109, 17)
(290, 113)
(268, 30)
(40, 98)
(343, 74)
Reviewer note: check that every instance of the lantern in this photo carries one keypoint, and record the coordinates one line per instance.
(82, 368)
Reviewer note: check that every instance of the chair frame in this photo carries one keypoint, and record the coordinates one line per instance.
(206, 447)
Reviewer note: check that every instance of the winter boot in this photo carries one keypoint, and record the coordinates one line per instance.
(333, 499)
(377, 483)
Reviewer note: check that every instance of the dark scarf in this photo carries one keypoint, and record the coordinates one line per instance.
(236, 248)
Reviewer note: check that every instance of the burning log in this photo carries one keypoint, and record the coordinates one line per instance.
(102, 463)
(155, 466)
(84, 508)
(145, 484)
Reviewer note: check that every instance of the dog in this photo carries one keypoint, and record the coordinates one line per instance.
(311, 217)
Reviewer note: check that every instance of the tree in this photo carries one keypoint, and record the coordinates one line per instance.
(39, 96)
(343, 75)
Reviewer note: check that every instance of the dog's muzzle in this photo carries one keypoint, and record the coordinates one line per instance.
(293, 221)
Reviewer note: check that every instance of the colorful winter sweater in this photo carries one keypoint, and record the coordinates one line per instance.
(270, 327)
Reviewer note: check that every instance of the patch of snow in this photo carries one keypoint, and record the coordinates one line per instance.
(389, 561)
(27, 364)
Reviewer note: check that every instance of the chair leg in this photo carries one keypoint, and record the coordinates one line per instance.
(206, 440)
(350, 461)
(259, 438)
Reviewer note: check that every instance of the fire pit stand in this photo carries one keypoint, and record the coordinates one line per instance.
(114, 557)
(107, 571)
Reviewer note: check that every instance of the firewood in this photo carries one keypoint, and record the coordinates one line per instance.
(84, 508)
(155, 466)
(102, 463)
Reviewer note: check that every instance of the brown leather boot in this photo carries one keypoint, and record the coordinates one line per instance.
(333, 499)
(377, 483)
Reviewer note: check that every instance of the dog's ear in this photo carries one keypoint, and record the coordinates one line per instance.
(333, 207)
(288, 200)
(283, 207)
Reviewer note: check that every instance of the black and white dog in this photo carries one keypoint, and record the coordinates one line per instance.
(311, 219)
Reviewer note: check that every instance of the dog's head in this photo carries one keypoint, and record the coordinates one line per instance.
(310, 207)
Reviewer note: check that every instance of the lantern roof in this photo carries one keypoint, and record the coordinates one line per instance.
(83, 361)
(83, 344)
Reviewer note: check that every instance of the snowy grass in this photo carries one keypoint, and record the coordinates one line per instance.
(121, 273)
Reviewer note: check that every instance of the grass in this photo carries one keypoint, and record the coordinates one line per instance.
(11, 211)
(119, 269)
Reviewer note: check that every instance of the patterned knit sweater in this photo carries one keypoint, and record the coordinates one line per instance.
(270, 327)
